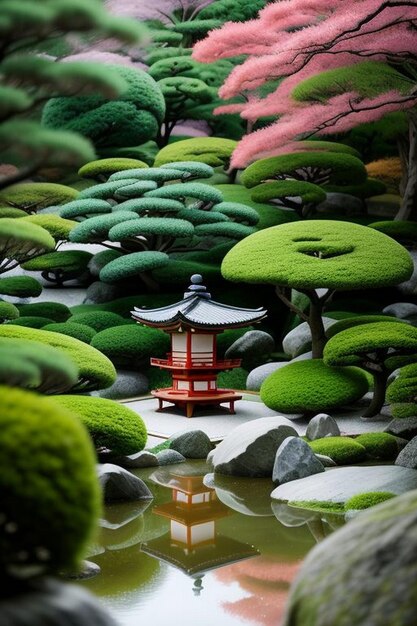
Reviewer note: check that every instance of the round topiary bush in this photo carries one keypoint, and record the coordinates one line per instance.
(312, 387)
(131, 345)
(343, 450)
(379, 446)
(49, 490)
(53, 310)
(98, 320)
(8, 312)
(366, 500)
(20, 287)
(112, 426)
(32, 321)
(82, 332)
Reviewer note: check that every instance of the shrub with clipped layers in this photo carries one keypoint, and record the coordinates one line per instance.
(293, 194)
(402, 231)
(213, 151)
(50, 496)
(379, 446)
(310, 387)
(57, 226)
(131, 345)
(342, 450)
(357, 320)
(60, 266)
(101, 169)
(112, 426)
(20, 241)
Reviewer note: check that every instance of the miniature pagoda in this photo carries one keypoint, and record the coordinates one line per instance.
(194, 324)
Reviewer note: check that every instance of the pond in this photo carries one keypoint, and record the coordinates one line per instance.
(204, 551)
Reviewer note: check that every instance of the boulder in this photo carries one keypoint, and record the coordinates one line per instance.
(405, 427)
(170, 457)
(402, 310)
(254, 347)
(250, 449)
(298, 340)
(257, 376)
(408, 455)
(326, 460)
(120, 485)
(128, 384)
(209, 459)
(295, 459)
(322, 425)
(343, 203)
(192, 444)
(409, 287)
(137, 460)
(99, 292)
(363, 574)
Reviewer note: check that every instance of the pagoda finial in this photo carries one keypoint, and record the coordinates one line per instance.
(197, 288)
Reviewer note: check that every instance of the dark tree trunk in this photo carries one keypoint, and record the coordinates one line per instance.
(315, 321)
(408, 210)
(378, 399)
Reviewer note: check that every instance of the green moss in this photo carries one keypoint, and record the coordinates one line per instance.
(213, 151)
(58, 227)
(49, 489)
(55, 310)
(8, 312)
(35, 196)
(366, 500)
(343, 450)
(402, 393)
(402, 231)
(97, 320)
(379, 446)
(78, 331)
(32, 321)
(165, 445)
(311, 386)
(111, 425)
(132, 264)
(103, 168)
(352, 320)
(318, 505)
(131, 345)
(20, 287)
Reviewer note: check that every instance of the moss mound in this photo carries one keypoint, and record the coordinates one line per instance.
(366, 500)
(379, 446)
(343, 450)
(131, 345)
(78, 331)
(111, 425)
(98, 320)
(32, 321)
(53, 310)
(312, 386)
(49, 490)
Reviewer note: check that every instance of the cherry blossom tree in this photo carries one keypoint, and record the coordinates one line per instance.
(340, 64)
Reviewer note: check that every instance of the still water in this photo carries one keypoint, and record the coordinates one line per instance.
(207, 551)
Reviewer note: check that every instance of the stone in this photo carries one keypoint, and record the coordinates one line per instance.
(128, 384)
(192, 444)
(87, 570)
(250, 449)
(298, 340)
(402, 310)
(257, 376)
(209, 459)
(409, 287)
(326, 460)
(322, 425)
(254, 347)
(405, 427)
(252, 499)
(169, 457)
(99, 292)
(408, 455)
(363, 574)
(295, 459)
(343, 203)
(341, 483)
(120, 485)
(137, 460)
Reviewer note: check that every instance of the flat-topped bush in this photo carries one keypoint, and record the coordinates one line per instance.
(356, 320)
(20, 287)
(213, 151)
(111, 425)
(342, 450)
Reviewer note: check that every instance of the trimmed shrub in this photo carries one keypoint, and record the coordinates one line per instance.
(58, 266)
(8, 312)
(213, 151)
(132, 264)
(97, 228)
(20, 287)
(342, 450)
(85, 207)
(49, 489)
(57, 226)
(111, 425)
(19, 241)
(181, 191)
(285, 192)
(401, 230)
(311, 387)
(131, 346)
(32, 197)
(32, 321)
(357, 320)
(98, 320)
(54, 310)
(366, 500)
(78, 331)
(95, 370)
(379, 446)
(102, 169)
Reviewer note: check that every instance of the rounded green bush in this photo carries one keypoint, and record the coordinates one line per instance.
(366, 500)
(131, 345)
(54, 310)
(213, 151)
(356, 320)
(56, 226)
(78, 331)
(132, 265)
(8, 312)
(20, 287)
(403, 231)
(402, 392)
(379, 446)
(111, 425)
(32, 321)
(103, 168)
(282, 189)
(50, 497)
(97, 320)
(342, 450)
(311, 387)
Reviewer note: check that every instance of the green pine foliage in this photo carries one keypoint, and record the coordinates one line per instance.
(32, 197)
(133, 264)
(342, 450)
(82, 332)
(213, 151)
(131, 346)
(49, 488)
(311, 386)
(353, 320)
(379, 446)
(60, 266)
(20, 287)
(102, 169)
(112, 426)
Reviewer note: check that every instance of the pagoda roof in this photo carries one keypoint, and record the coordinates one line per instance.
(198, 310)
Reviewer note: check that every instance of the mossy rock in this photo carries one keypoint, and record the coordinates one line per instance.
(32, 321)
(379, 446)
(310, 386)
(82, 332)
(131, 345)
(98, 320)
(366, 500)
(49, 489)
(54, 310)
(342, 450)
(111, 425)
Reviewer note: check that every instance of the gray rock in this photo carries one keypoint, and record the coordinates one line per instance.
(257, 376)
(402, 310)
(321, 426)
(295, 459)
(406, 427)
(364, 574)
(408, 455)
(170, 457)
(302, 357)
(298, 340)
(135, 461)
(409, 287)
(209, 459)
(326, 460)
(87, 570)
(250, 449)
(342, 203)
(99, 292)
(128, 384)
(192, 444)
(253, 348)
(119, 484)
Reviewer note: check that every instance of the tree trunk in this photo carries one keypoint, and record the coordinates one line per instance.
(378, 399)
(408, 210)
(315, 321)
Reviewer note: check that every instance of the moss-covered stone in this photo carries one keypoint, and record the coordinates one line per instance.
(342, 450)
(379, 446)
(366, 500)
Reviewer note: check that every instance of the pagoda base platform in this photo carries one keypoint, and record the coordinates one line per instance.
(188, 403)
